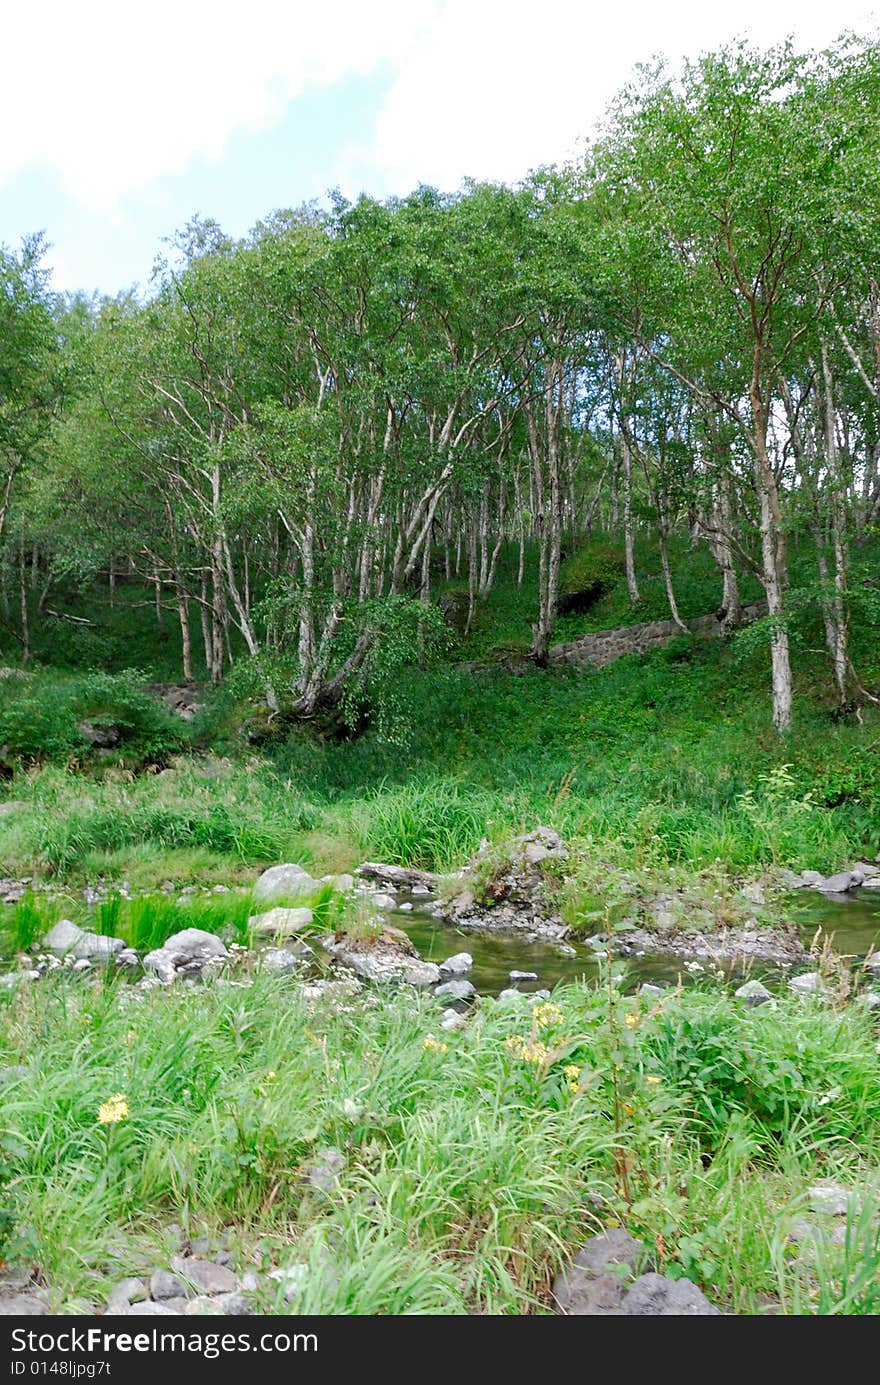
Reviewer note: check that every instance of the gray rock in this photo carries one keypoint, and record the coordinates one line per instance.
(522, 976)
(649, 992)
(103, 737)
(807, 983)
(511, 993)
(839, 884)
(204, 1307)
(405, 908)
(596, 1281)
(753, 994)
(384, 901)
(164, 1285)
(126, 1292)
(234, 1305)
(657, 1296)
(459, 989)
(753, 891)
(284, 882)
(279, 960)
(399, 877)
(209, 1277)
(323, 1174)
(280, 923)
(872, 963)
(452, 1021)
(22, 1305)
(188, 951)
(343, 882)
(831, 1198)
(127, 957)
(16, 1072)
(66, 939)
(457, 965)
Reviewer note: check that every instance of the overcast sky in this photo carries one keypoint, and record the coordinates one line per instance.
(122, 120)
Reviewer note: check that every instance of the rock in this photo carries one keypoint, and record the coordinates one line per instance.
(807, 983)
(457, 965)
(872, 963)
(82, 965)
(102, 737)
(596, 1281)
(656, 1296)
(343, 883)
(127, 957)
(405, 908)
(452, 1021)
(650, 992)
(511, 993)
(29, 1305)
(126, 1292)
(279, 960)
(831, 1198)
(292, 1278)
(753, 891)
(209, 1277)
(840, 883)
(565, 950)
(400, 877)
(280, 923)
(812, 878)
(152, 1309)
(459, 989)
(390, 956)
(187, 952)
(384, 901)
(203, 1307)
(15, 1072)
(164, 1285)
(283, 883)
(522, 976)
(323, 1174)
(66, 939)
(753, 994)
(234, 1305)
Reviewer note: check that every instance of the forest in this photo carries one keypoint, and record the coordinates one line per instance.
(502, 567)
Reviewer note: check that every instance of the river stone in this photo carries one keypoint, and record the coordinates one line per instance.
(284, 882)
(280, 923)
(522, 976)
(209, 1277)
(452, 1021)
(657, 1296)
(595, 1283)
(189, 950)
(165, 1285)
(457, 965)
(66, 939)
(384, 901)
(872, 963)
(807, 983)
(753, 994)
(459, 989)
(278, 959)
(323, 1174)
(126, 1292)
(650, 992)
(831, 1198)
(838, 884)
(22, 1305)
(343, 883)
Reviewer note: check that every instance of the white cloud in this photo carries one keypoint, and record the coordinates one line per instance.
(110, 94)
(495, 87)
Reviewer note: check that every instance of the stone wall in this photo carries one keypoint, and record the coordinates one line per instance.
(603, 646)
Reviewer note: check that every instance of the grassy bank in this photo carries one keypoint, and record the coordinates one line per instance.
(474, 1162)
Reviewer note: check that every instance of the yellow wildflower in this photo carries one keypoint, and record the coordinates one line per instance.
(433, 1045)
(546, 1014)
(113, 1110)
(270, 1076)
(632, 1021)
(654, 1081)
(571, 1071)
(515, 1044)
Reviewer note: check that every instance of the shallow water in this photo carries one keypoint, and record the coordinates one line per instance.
(851, 921)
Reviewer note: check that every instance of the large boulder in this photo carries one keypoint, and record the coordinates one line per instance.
(67, 939)
(505, 889)
(187, 953)
(284, 882)
(103, 737)
(387, 955)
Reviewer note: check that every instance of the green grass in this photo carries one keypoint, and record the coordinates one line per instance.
(470, 1173)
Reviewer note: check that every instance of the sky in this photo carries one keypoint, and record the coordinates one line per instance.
(122, 121)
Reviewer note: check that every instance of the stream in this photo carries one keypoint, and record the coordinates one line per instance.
(852, 920)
